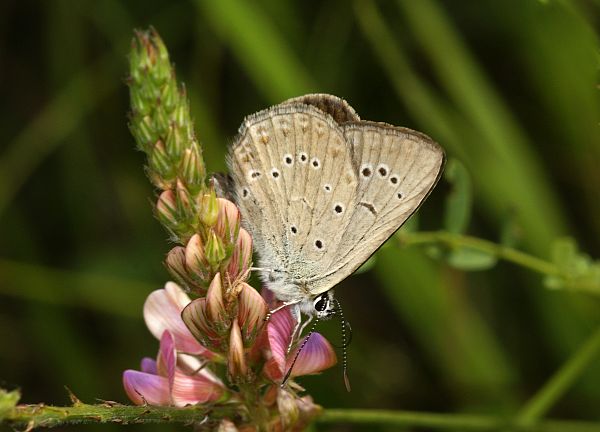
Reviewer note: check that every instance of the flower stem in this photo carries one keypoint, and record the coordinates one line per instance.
(453, 240)
(437, 421)
(560, 382)
(33, 416)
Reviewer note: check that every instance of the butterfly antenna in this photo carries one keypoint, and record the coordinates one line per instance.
(304, 342)
(345, 342)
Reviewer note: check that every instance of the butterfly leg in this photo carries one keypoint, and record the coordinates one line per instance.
(306, 323)
(278, 308)
(295, 311)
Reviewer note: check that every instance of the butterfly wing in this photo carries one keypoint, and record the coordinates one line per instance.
(396, 169)
(286, 164)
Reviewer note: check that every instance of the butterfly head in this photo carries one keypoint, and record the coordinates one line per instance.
(324, 305)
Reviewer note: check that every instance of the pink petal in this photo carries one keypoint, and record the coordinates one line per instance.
(316, 356)
(162, 311)
(279, 333)
(146, 388)
(149, 366)
(194, 389)
(167, 357)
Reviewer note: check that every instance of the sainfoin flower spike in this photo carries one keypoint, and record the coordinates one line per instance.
(215, 345)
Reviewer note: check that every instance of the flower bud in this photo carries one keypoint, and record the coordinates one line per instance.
(159, 161)
(209, 209)
(173, 143)
(193, 170)
(215, 308)
(183, 197)
(195, 261)
(228, 223)
(241, 259)
(251, 312)
(175, 263)
(196, 320)
(215, 249)
(166, 207)
(236, 362)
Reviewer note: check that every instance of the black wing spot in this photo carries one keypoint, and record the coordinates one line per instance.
(369, 207)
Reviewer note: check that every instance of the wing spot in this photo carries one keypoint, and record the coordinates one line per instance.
(303, 157)
(399, 195)
(254, 174)
(293, 229)
(245, 193)
(339, 208)
(394, 179)
(369, 207)
(382, 169)
(275, 173)
(366, 171)
(319, 244)
(288, 159)
(315, 162)
(327, 188)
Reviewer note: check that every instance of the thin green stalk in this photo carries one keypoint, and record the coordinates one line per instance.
(560, 382)
(453, 240)
(436, 421)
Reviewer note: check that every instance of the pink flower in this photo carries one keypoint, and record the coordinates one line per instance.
(316, 355)
(162, 311)
(170, 381)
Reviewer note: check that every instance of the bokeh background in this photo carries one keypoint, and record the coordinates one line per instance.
(508, 87)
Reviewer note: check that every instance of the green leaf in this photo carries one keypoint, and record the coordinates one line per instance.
(470, 259)
(460, 200)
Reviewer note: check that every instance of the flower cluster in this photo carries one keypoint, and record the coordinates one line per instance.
(219, 349)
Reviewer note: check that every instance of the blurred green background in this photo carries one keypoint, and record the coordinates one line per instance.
(508, 87)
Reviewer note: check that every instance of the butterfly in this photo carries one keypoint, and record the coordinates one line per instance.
(320, 190)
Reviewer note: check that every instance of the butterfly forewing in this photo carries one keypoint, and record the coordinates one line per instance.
(286, 164)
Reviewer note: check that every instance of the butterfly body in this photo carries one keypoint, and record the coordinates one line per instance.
(320, 191)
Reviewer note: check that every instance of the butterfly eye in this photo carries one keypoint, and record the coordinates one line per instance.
(321, 302)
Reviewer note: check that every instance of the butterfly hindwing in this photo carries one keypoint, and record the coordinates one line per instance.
(396, 169)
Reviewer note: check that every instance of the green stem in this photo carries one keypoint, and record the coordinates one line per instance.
(33, 416)
(560, 382)
(453, 240)
(437, 421)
